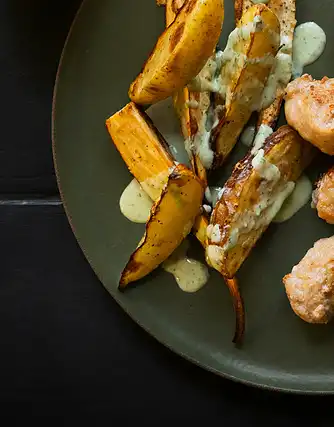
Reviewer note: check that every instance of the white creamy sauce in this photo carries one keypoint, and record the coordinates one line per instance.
(272, 194)
(192, 104)
(279, 76)
(247, 136)
(264, 168)
(214, 256)
(166, 121)
(297, 199)
(202, 145)
(216, 74)
(190, 275)
(207, 209)
(308, 45)
(135, 203)
(262, 134)
(215, 234)
(231, 59)
(207, 79)
(262, 214)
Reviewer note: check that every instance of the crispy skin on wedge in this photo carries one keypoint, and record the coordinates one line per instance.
(181, 51)
(171, 220)
(252, 196)
(245, 74)
(142, 147)
(285, 10)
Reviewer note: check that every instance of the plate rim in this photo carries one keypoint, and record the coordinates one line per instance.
(225, 375)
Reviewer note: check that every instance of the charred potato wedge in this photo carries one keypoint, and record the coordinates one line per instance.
(142, 148)
(250, 54)
(181, 51)
(285, 10)
(171, 220)
(252, 196)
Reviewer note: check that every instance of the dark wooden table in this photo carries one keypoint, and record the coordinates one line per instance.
(67, 349)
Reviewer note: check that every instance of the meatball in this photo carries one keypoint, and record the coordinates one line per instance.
(323, 197)
(310, 285)
(309, 108)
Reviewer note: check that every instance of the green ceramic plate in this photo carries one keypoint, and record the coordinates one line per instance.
(106, 47)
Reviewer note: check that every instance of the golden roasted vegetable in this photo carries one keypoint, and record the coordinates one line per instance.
(172, 218)
(280, 75)
(177, 192)
(247, 61)
(181, 51)
(252, 197)
(142, 148)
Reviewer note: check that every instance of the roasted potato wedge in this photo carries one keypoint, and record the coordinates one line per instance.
(247, 62)
(142, 148)
(171, 220)
(280, 75)
(181, 51)
(252, 197)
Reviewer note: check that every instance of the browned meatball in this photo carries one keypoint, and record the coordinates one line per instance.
(309, 108)
(323, 197)
(310, 285)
